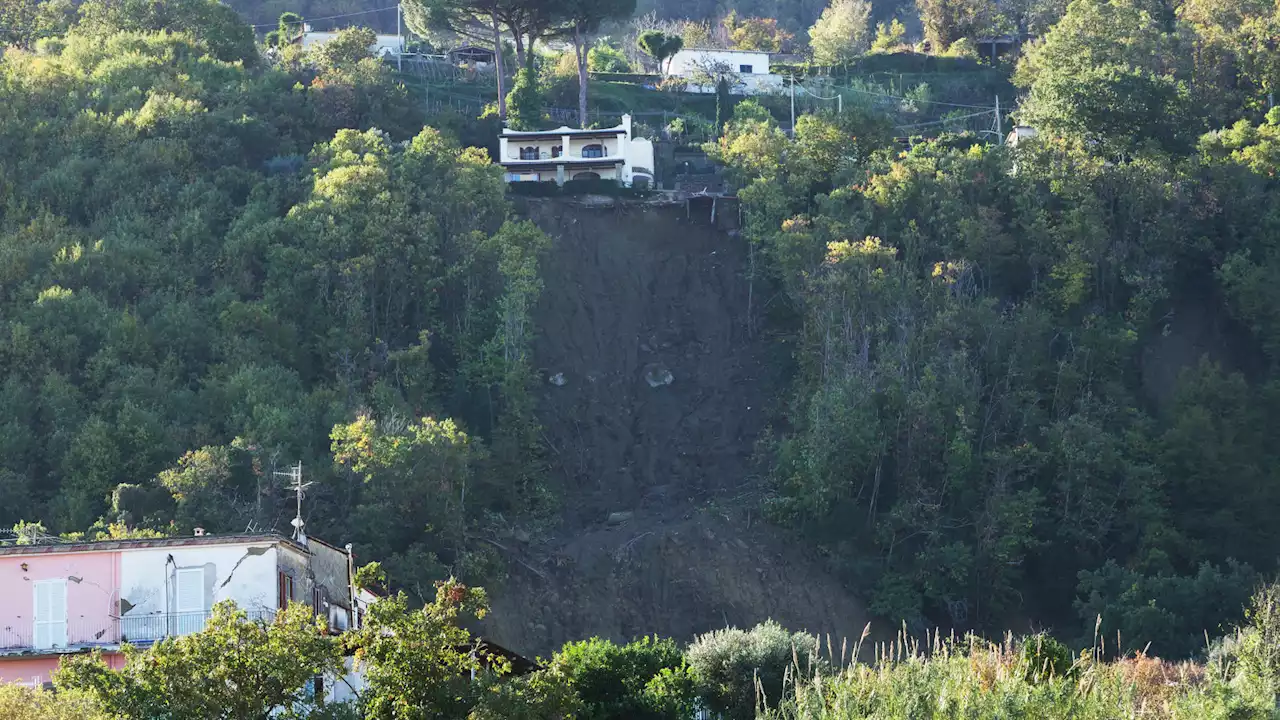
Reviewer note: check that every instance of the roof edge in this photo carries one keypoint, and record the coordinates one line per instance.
(148, 543)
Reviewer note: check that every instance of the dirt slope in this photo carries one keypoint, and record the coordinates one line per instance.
(655, 391)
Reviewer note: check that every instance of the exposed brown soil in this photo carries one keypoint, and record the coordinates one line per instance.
(655, 391)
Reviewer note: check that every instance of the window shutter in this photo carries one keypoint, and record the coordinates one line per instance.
(190, 596)
(42, 616)
(51, 614)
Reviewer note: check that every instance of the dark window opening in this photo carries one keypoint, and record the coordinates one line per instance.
(557, 151)
(746, 69)
(593, 151)
(284, 590)
(529, 153)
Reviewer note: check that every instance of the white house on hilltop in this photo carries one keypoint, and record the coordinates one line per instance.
(750, 66)
(573, 154)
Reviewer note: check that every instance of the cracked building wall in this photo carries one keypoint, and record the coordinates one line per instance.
(162, 588)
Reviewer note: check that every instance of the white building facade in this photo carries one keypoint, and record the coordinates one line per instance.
(749, 67)
(567, 154)
(171, 590)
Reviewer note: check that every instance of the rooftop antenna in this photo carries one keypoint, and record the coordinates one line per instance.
(299, 488)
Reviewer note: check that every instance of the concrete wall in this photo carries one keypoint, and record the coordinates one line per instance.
(687, 62)
(90, 580)
(640, 159)
(329, 573)
(38, 671)
(605, 173)
(751, 85)
(347, 687)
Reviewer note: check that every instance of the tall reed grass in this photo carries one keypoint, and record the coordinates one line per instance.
(1035, 677)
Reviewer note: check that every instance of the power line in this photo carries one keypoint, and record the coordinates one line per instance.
(333, 17)
(914, 100)
(811, 93)
(944, 120)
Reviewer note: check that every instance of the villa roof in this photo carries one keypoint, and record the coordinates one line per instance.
(728, 50)
(564, 130)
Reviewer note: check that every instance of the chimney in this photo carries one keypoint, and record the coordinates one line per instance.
(199, 532)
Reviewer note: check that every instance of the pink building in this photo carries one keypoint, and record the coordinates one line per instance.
(66, 598)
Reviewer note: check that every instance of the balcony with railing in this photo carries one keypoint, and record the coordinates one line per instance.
(142, 629)
(83, 632)
(537, 154)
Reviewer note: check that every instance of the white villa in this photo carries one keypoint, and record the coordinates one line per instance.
(751, 67)
(572, 154)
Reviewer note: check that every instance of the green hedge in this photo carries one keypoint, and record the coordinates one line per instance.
(637, 78)
(909, 63)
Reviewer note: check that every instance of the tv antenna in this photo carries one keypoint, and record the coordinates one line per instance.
(299, 489)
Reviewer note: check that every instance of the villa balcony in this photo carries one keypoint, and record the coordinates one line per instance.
(547, 157)
(79, 633)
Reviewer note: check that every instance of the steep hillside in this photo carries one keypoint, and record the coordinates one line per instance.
(656, 388)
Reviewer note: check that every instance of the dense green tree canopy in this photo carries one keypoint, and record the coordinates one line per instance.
(208, 262)
(979, 398)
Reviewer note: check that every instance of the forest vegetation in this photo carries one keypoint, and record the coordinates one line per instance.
(1030, 386)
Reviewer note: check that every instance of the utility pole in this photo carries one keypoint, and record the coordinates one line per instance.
(400, 35)
(999, 124)
(839, 104)
(793, 105)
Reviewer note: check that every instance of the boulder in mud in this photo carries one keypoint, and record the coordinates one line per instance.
(658, 375)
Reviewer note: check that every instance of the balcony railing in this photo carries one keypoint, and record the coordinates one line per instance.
(543, 156)
(150, 628)
(90, 632)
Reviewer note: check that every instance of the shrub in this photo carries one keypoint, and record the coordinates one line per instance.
(543, 695)
(646, 679)
(1046, 658)
(728, 664)
(1169, 612)
(20, 703)
(1257, 650)
(603, 57)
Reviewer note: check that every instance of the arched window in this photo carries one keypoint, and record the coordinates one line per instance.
(593, 151)
(587, 176)
(529, 153)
